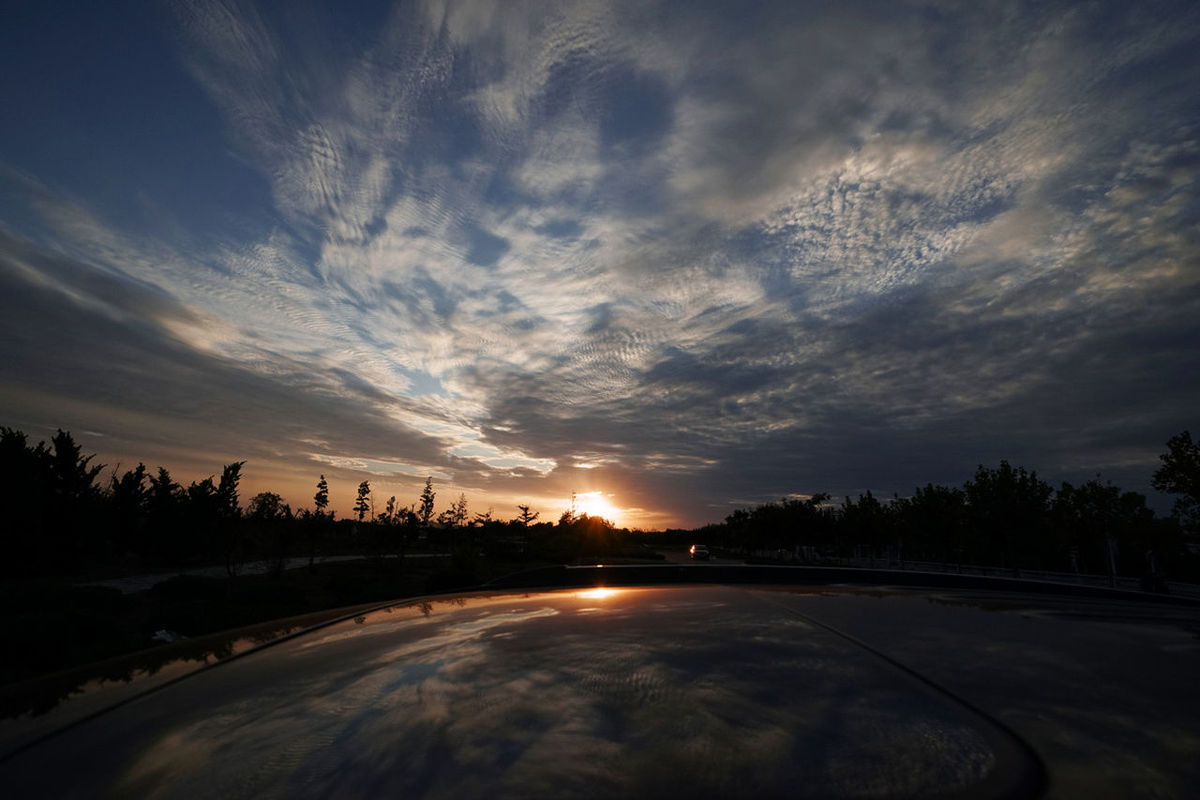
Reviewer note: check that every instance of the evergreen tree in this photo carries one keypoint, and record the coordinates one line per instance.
(526, 516)
(458, 511)
(128, 496)
(321, 498)
(425, 510)
(227, 490)
(362, 503)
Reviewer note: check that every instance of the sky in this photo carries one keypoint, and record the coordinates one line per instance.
(674, 257)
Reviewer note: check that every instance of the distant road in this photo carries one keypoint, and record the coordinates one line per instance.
(140, 583)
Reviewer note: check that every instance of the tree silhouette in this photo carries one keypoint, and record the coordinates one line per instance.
(271, 520)
(57, 514)
(209, 524)
(164, 496)
(425, 509)
(458, 511)
(25, 481)
(869, 522)
(227, 490)
(1104, 529)
(568, 517)
(526, 517)
(72, 496)
(934, 521)
(128, 496)
(321, 498)
(1179, 475)
(362, 503)
(268, 506)
(202, 526)
(1009, 508)
(73, 477)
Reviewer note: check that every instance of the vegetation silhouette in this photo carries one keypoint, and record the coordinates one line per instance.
(64, 520)
(1179, 475)
(1004, 518)
(66, 525)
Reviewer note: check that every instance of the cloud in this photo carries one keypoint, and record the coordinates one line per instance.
(809, 248)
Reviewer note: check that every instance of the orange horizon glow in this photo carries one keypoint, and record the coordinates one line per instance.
(599, 594)
(596, 504)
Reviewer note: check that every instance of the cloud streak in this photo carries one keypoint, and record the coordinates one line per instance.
(712, 254)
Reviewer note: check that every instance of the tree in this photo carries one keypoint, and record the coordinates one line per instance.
(271, 519)
(127, 496)
(164, 495)
(567, 518)
(164, 510)
(388, 517)
(202, 524)
(526, 516)
(73, 495)
(362, 503)
(867, 522)
(25, 483)
(1179, 475)
(227, 490)
(1106, 530)
(268, 506)
(71, 473)
(320, 502)
(934, 521)
(426, 508)
(458, 511)
(129, 491)
(1010, 508)
(790, 522)
(321, 498)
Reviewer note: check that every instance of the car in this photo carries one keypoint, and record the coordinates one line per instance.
(699, 552)
(672, 681)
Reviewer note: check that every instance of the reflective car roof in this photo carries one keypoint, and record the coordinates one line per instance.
(701, 690)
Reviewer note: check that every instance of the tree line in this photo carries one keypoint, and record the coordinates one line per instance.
(1004, 516)
(61, 516)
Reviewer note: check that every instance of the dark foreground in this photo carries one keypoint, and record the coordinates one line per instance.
(693, 689)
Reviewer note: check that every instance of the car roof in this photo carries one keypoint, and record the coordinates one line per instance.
(710, 688)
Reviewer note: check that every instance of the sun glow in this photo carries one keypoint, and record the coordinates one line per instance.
(595, 504)
(598, 594)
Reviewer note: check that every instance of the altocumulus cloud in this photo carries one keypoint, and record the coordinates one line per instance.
(689, 254)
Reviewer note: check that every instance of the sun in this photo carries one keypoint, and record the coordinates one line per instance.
(594, 504)
(600, 593)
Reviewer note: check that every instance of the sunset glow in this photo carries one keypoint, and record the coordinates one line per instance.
(599, 594)
(684, 257)
(596, 504)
